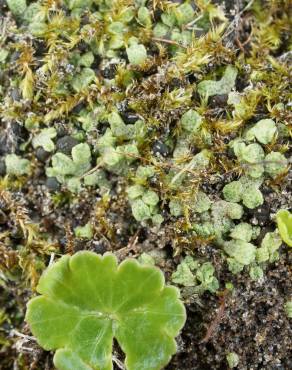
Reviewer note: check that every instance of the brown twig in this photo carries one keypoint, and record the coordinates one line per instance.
(166, 41)
(123, 252)
(220, 313)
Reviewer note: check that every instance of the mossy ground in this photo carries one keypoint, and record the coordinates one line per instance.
(38, 215)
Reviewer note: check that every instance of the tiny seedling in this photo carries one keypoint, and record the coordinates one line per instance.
(87, 300)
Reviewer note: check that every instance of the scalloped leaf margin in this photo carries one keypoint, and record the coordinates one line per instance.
(87, 300)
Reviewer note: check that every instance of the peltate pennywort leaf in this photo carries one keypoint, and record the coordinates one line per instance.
(87, 300)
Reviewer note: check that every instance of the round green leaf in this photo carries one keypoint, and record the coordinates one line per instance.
(137, 54)
(284, 222)
(87, 300)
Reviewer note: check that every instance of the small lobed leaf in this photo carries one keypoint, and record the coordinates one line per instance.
(87, 300)
(44, 139)
(17, 7)
(191, 121)
(223, 86)
(241, 251)
(252, 197)
(137, 54)
(275, 164)
(16, 165)
(82, 80)
(140, 210)
(263, 131)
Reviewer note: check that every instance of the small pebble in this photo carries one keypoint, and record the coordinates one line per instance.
(218, 101)
(109, 72)
(52, 184)
(65, 144)
(41, 154)
(129, 117)
(2, 167)
(159, 148)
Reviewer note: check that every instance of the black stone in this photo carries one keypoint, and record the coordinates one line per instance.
(159, 148)
(82, 46)
(96, 62)
(78, 108)
(61, 130)
(129, 117)
(19, 131)
(2, 167)
(41, 154)
(109, 72)
(52, 184)
(218, 101)
(65, 144)
(99, 246)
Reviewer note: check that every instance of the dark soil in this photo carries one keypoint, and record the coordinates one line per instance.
(249, 320)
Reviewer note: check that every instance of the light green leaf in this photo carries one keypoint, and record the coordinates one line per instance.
(275, 164)
(150, 198)
(191, 121)
(288, 309)
(118, 127)
(98, 177)
(253, 153)
(140, 210)
(252, 197)
(135, 191)
(201, 202)
(242, 231)
(233, 191)
(143, 172)
(81, 154)
(111, 157)
(256, 272)
(17, 7)
(105, 141)
(184, 13)
(232, 359)
(160, 30)
(85, 231)
(223, 86)
(63, 165)
(263, 131)
(87, 300)
(183, 275)
(241, 251)
(175, 208)
(86, 59)
(74, 185)
(234, 266)
(137, 54)
(157, 219)
(144, 16)
(3, 55)
(284, 222)
(83, 79)
(205, 275)
(16, 165)
(44, 139)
